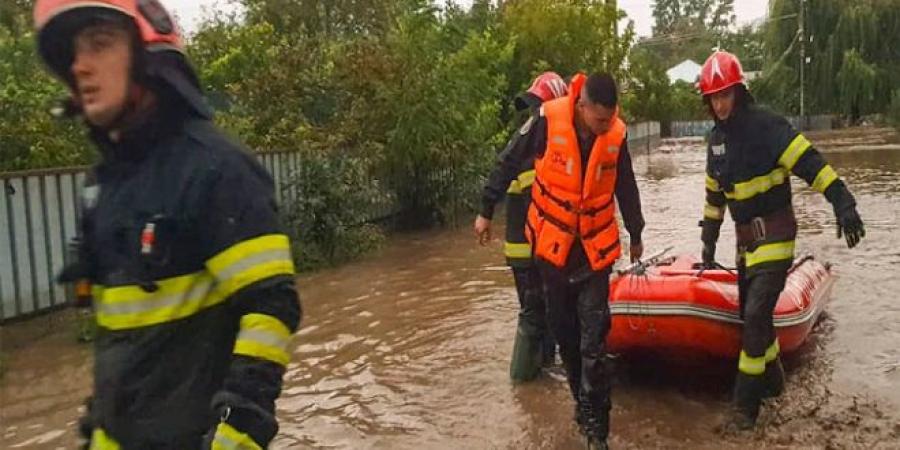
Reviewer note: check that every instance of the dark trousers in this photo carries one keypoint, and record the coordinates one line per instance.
(533, 308)
(759, 293)
(578, 313)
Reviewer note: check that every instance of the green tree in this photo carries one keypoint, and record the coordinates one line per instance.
(678, 16)
(689, 29)
(446, 116)
(564, 36)
(29, 136)
(648, 95)
(853, 62)
(894, 109)
(857, 84)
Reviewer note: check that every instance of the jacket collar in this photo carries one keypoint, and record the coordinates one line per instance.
(136, 142)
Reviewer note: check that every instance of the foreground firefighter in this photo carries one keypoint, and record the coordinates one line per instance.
(193, 279)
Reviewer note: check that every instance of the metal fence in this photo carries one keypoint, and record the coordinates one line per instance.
(643, 137)
(702, 127)
(691, 128)
(38, 216)
(39, 210)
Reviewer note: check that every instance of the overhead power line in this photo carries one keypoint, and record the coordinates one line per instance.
(676, 37)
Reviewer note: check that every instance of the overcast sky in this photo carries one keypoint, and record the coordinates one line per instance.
(190, 12)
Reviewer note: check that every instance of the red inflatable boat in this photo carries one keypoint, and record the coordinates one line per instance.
(671, 308)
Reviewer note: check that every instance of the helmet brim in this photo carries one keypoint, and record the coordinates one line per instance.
(56, 38)
(706, 92)
(527, 100)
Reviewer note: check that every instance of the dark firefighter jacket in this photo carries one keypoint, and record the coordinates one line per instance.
(750, 158)
(193, 286)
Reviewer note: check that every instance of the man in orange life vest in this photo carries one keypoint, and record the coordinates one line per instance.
(582, 162)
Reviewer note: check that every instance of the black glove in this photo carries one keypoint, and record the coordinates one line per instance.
(242, 421)
(850, 225)
(709, 236)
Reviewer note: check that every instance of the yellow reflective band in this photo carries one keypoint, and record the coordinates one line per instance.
(263, 336)
(752, 366)
(124, 307)
(712, 184)
(518, 251)
(793, 152)
(824, 179)
(524, 181)
(772, 352)
(758, 185)
(526, 178)
(251, 261)
(777, 251)
(228, 438)
(100, 441)
(713, 212)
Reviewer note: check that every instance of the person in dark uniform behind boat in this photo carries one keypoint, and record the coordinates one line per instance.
(534, 345)
(582, 171)
(192, 276)
(752, 153)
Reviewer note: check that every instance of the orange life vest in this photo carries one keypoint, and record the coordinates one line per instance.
(568, 201)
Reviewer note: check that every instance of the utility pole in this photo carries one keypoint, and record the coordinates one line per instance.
(802, 63)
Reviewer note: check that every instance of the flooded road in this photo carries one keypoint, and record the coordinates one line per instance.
(409, 349)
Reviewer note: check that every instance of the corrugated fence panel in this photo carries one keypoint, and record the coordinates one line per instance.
(38, 241)
(701, 127)
(68, 198)
(56, 236)
(7, 276)
(21, 253)
(293, 163)
(277, 176)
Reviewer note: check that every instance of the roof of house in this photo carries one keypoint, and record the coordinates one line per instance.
(686, 70)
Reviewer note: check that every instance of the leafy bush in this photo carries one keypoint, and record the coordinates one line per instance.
(334, 201)
(29, 136)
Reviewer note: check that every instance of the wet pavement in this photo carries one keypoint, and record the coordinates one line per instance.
(410, 347)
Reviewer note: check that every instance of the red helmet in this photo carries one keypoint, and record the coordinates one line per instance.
(720, 71)
(58, 21)
(546, 86)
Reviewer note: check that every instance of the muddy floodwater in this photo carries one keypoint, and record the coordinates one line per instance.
(409, 348)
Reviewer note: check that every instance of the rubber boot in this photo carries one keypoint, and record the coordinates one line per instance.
(592, 423)
(579, 419)
(774, 377)
(525, 364)
(596, 444)
(748, 394)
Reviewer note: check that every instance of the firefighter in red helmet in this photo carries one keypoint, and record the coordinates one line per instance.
(193, 278)
(534, 346)
(751, 154)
